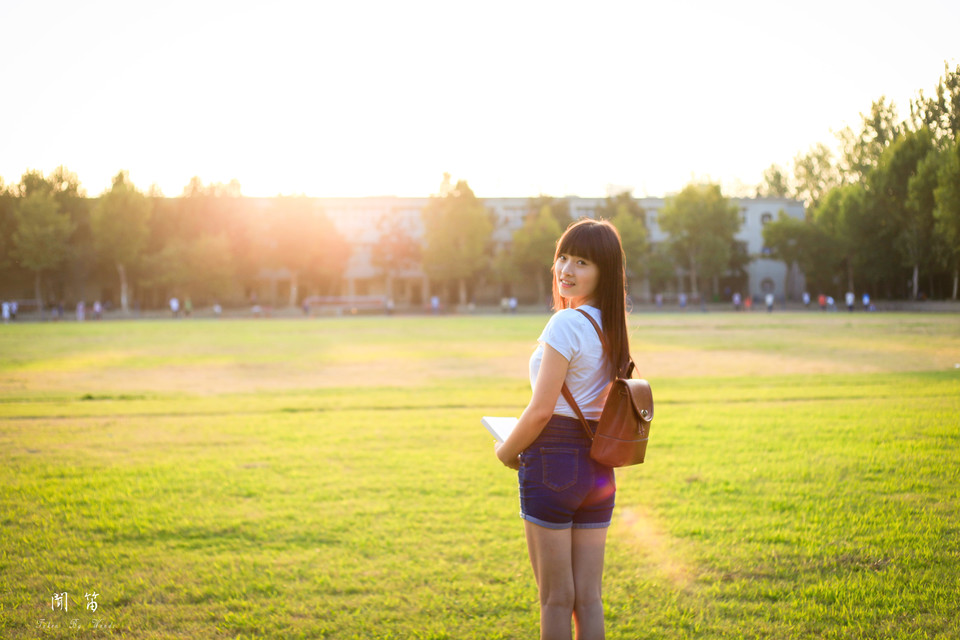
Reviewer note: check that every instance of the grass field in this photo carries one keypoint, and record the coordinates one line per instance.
(329, 479)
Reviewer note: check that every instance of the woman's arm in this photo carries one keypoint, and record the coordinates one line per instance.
(546, 391)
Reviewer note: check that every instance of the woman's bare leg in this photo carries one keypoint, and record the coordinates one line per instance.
(552, 558)
(587, 551)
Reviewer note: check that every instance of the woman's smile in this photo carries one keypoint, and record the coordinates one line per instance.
(576, 277)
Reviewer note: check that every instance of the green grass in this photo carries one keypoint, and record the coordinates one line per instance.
(234, 480)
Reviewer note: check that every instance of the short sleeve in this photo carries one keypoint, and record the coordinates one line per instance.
(562, 333)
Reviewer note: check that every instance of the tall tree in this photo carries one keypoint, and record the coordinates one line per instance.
(42, 236)
(8, 209)
(661, 268)
(559, 208)
(838, 239)
(776, 183)
(533, 248)
(457, 228)
(65, 188)
(636, 248)
(941, 112)
(200, 267)
(306, 243)
(784, 237)
(630, 219)
(119, 225)
(395, 249)
(814, 174)
(861, 151)
(701, 223)
(920, 243)
(909, 229)
(621, 203)
(947, 210)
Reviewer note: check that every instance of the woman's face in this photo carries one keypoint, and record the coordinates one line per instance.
(577, 278)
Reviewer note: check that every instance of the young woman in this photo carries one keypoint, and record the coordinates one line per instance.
(566, 499)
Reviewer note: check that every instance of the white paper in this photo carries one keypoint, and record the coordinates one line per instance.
(499, 427)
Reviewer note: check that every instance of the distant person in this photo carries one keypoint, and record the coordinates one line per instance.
(567, 498)
(850, 299)
(14, 306)
(822, 301)
(188, 307)
(97, 310)
(806, 299)
(748, 303)
(831, 303)
(435, 304)
(6, 312)
(513, 304)
(769, 301)
(175, 307)
(659, 300)
(866, 302)
(682, 299)
(737, 301)
(217, 309)
(81, 311)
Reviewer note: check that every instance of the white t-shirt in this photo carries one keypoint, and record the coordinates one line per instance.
(572, 335)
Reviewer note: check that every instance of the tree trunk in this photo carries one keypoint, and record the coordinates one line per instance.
(294, 285)
(849, 274)
(123, 288)
(786, 281)
(39, 294)
(389, 284)
(956, 279)
(694, 291)
(463, 291)
(916, 282)
(541, 292)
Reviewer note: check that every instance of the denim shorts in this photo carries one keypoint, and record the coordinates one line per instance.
(561, 486)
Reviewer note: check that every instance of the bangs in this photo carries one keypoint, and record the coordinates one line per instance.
(582, 240)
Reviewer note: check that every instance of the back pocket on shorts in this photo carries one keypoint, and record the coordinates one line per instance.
(559, 467)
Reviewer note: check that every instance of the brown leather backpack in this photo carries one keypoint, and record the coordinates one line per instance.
(621, 436)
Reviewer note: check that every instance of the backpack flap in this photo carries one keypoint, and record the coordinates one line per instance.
(641, 397)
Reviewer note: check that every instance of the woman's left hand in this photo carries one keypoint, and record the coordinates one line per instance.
(512, 462)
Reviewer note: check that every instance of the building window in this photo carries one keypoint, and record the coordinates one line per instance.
(766, 217)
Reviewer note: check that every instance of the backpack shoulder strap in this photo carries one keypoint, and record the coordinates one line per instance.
(631, 367)
(568, 396)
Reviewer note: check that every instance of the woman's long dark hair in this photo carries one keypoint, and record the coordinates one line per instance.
(599, 242)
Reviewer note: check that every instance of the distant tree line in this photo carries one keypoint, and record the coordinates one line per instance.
(212, 244)
(209, 243)
(883, 215)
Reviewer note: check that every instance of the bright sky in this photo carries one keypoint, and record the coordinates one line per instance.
(358, 98)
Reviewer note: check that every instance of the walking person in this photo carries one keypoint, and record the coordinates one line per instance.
(567, 498)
